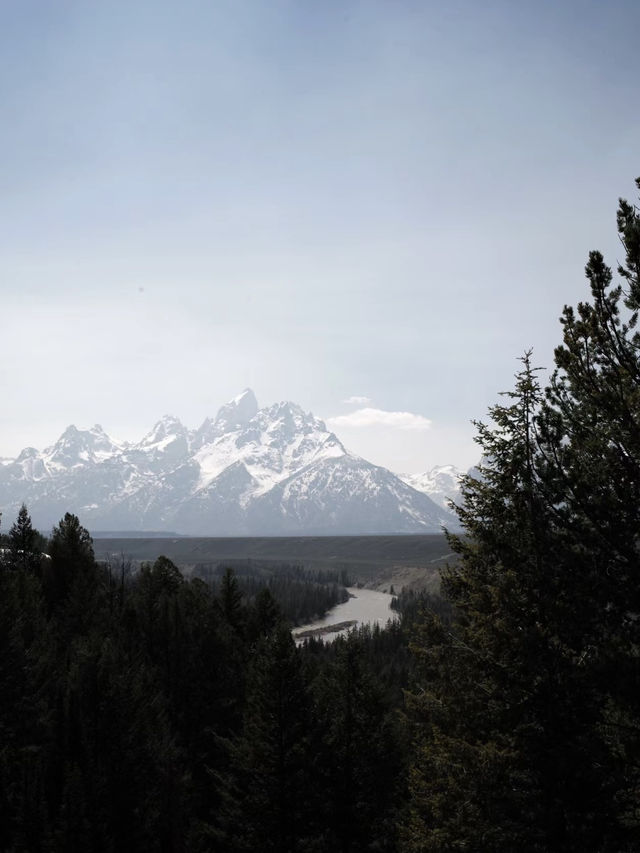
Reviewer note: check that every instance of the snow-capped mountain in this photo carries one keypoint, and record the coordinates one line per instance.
(79, 447)
(441, 484)
(248, 471)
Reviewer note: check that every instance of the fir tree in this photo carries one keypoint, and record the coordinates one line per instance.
(72, 560)
(24, 542)
(486, 683)
(268, 791)
(230, 600)
(358, 752)
(590, 444)
(526, 707)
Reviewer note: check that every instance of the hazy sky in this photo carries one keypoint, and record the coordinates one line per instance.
(325, 201)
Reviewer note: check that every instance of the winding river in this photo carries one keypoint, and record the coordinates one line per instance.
(364, 606)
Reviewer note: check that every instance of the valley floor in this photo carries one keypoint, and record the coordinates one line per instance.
(378, 562)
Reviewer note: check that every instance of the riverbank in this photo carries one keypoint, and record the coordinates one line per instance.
(363, 607)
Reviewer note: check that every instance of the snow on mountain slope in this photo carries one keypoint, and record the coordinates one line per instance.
(348, 495)
(276, 470)
(162, 448)
(441, 484)
(79, 447)
(233, 415)
(273, 444)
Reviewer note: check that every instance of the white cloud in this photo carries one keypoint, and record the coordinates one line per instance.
(368, 417)
(358, 401)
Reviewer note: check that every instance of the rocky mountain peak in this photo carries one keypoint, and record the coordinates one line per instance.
(167, 427)
(80, 446)
(237, 412)
(286, 420)
(27, 453)
(441, 483)
(232, 416)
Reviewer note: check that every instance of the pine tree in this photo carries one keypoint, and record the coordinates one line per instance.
(71, 551)
(72, 583)
(23, 724)
(526, 707)
(268, 793)
(24, 542)
(466, 783)
(590, 443)
(230, 599)
(264, 616)
(358, 754)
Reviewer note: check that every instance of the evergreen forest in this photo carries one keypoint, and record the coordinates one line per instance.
(149, 711)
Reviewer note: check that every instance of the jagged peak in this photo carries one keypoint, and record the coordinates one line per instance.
(167, 425)
(289, 406)
(447, 469)
(287, 409)
(246, 395)
(27, 453)
(83, 435)
(169, 420)
(72, 429)
(237, 412)
(78, 446)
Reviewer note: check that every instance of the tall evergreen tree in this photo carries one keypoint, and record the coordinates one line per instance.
(230, 600)
(25, 542)
(527, 707)
(359, 755)
(590, 444)
(72, 563)
(268, 788)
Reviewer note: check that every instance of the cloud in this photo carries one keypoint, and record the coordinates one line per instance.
(367, 417)
(358, 401)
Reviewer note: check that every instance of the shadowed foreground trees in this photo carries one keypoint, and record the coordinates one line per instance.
(527, 707)
(156, 715)
(269, 789)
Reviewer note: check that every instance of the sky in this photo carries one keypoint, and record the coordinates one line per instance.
(369, 207)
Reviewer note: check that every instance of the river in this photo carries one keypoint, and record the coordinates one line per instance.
(364, 606)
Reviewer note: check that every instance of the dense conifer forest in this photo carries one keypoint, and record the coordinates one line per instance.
(150, 712)
(302, 595)
(145, 711)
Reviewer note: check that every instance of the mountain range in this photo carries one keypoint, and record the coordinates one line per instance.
(249, 471)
